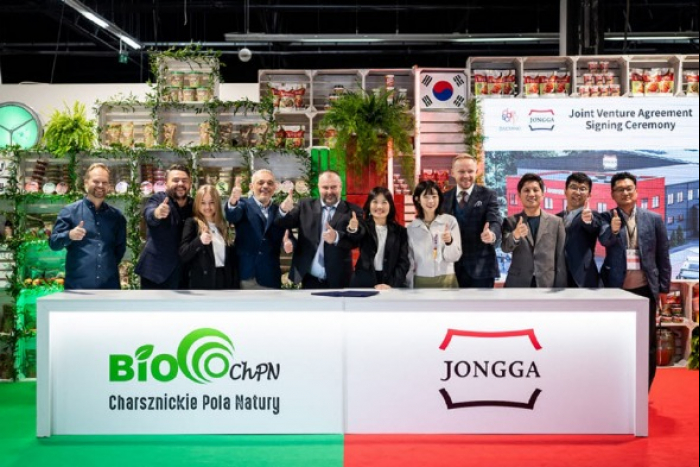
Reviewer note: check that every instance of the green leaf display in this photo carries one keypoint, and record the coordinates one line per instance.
(69, 132)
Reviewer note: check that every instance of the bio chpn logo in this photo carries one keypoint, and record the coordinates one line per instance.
(203, 355)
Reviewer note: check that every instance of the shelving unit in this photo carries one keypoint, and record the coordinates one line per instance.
(688, 290)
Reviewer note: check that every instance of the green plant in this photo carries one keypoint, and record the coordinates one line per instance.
(694, 360)
(69, 132)
(365, 122)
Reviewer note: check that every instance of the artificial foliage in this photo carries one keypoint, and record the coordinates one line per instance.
(69, 132)
(365, 123)
(474, 133)
(694, 358)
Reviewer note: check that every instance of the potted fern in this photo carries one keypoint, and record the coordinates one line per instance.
(69, 132)
(365, 123)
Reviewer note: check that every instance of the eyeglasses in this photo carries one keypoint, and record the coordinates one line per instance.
(625, 189)
(580, 189)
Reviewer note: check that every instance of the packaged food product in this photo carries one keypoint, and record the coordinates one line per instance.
(113, 133)
(509, 83)
(609, 78)
(652, 78)
(226, 133)
(204, 134)
(494, 83)
(588, 78)
(604, 90)
(593, 67)
(276, 95)
(599, 78)
(666, 81)
(280, 137)
(301, 187)
(594, 91)
(294, 136)
(61, 188)
(299, 94)
(389, 81)
(189, 94)
(584, 91)
(603, 66)
(481, 83)
(532, 84)
(121, 187)
(636, 81)
(146, 188)
(177, 79)
(330, 137)
(193, 79)
(203, 94)
(149, 139)
(127, 135)
(690, 82)
(563, 83)
(170, 134)
(615, 90)
(49, 188)
(548, 84)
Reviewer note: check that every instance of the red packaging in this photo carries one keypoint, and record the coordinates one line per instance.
(509, 83)
(481, 83)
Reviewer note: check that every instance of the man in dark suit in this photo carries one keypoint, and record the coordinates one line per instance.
(476, 210)
(258, 239)
(322, 256)
(582, 229)
(637, 256)
(165, 215)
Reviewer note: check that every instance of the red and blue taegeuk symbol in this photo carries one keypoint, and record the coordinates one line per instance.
(443, 91)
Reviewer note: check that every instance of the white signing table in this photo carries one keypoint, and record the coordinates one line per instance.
(406, 361)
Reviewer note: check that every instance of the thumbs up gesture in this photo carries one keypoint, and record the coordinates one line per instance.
(78, 233)
(287, 243)
(236, 192)
(354, 224)
(329, 235)
(205, 237)
(487, 236)
(288, 203)
(447, 235)
(615, 222)
(587, 214)
(163, 210)
(521, 229)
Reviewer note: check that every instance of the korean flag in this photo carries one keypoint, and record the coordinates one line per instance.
(443, 91)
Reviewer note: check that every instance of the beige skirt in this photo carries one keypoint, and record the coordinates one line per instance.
(448, 281)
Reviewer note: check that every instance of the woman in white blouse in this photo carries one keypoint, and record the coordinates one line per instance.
(383, 262)
(434, 242)
(206, 250)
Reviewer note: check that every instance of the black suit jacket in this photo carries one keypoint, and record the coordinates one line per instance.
(478, 259)
(395, 264)
(200, 260)
(159, 257)
(306, 216)
(579, 250)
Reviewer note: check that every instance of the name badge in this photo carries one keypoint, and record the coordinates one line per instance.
(634, 261)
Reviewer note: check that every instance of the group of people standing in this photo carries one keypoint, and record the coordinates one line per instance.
(451, 243)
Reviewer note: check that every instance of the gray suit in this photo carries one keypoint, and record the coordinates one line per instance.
(543, 258)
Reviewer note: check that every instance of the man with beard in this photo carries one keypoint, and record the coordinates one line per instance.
(94, 235)
(582, 229)
(258, 239)
(476, 210)
(322, 257)
(165, 214)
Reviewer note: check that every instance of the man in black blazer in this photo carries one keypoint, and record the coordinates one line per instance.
(165, 215)
(582, 230)
(323, 253)
(636, 252)
(476, 210)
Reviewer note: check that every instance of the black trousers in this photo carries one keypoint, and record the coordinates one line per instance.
(313, 282)
(176, 281)
(466, 281)
(646, 293)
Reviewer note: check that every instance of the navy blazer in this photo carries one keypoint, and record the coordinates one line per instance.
(653, 249)
(306, 216)
(581, 239)
(258, 242)
(160, 255)
(478, 258)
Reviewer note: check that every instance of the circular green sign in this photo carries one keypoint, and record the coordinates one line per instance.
(19, 126)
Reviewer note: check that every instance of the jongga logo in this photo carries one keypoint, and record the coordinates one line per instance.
(203, 355)
(541, 120)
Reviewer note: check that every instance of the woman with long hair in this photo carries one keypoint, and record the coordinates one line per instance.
(206, 249)
(383, 262)
(434, 241)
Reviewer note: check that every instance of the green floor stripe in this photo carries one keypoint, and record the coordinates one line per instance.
(19, 446)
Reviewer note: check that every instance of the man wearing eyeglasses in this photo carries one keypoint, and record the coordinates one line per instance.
(582, 229)
(637, 257)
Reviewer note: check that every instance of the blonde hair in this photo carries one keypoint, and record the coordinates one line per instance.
(464, 157)
(219, 220)
(96, 165)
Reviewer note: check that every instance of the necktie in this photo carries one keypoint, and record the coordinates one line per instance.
(327, 215)
(464, 197)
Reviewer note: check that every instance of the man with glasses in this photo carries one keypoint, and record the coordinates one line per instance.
(582, 229)
(165, 215)
(637, 256)
(94, 235)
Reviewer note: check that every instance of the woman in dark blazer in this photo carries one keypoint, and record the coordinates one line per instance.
(381, 233)
(205, 247)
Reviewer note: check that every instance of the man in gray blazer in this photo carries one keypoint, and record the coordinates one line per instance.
(636, 252)
(536, 239)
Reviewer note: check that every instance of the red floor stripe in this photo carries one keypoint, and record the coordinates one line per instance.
(672, 442)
